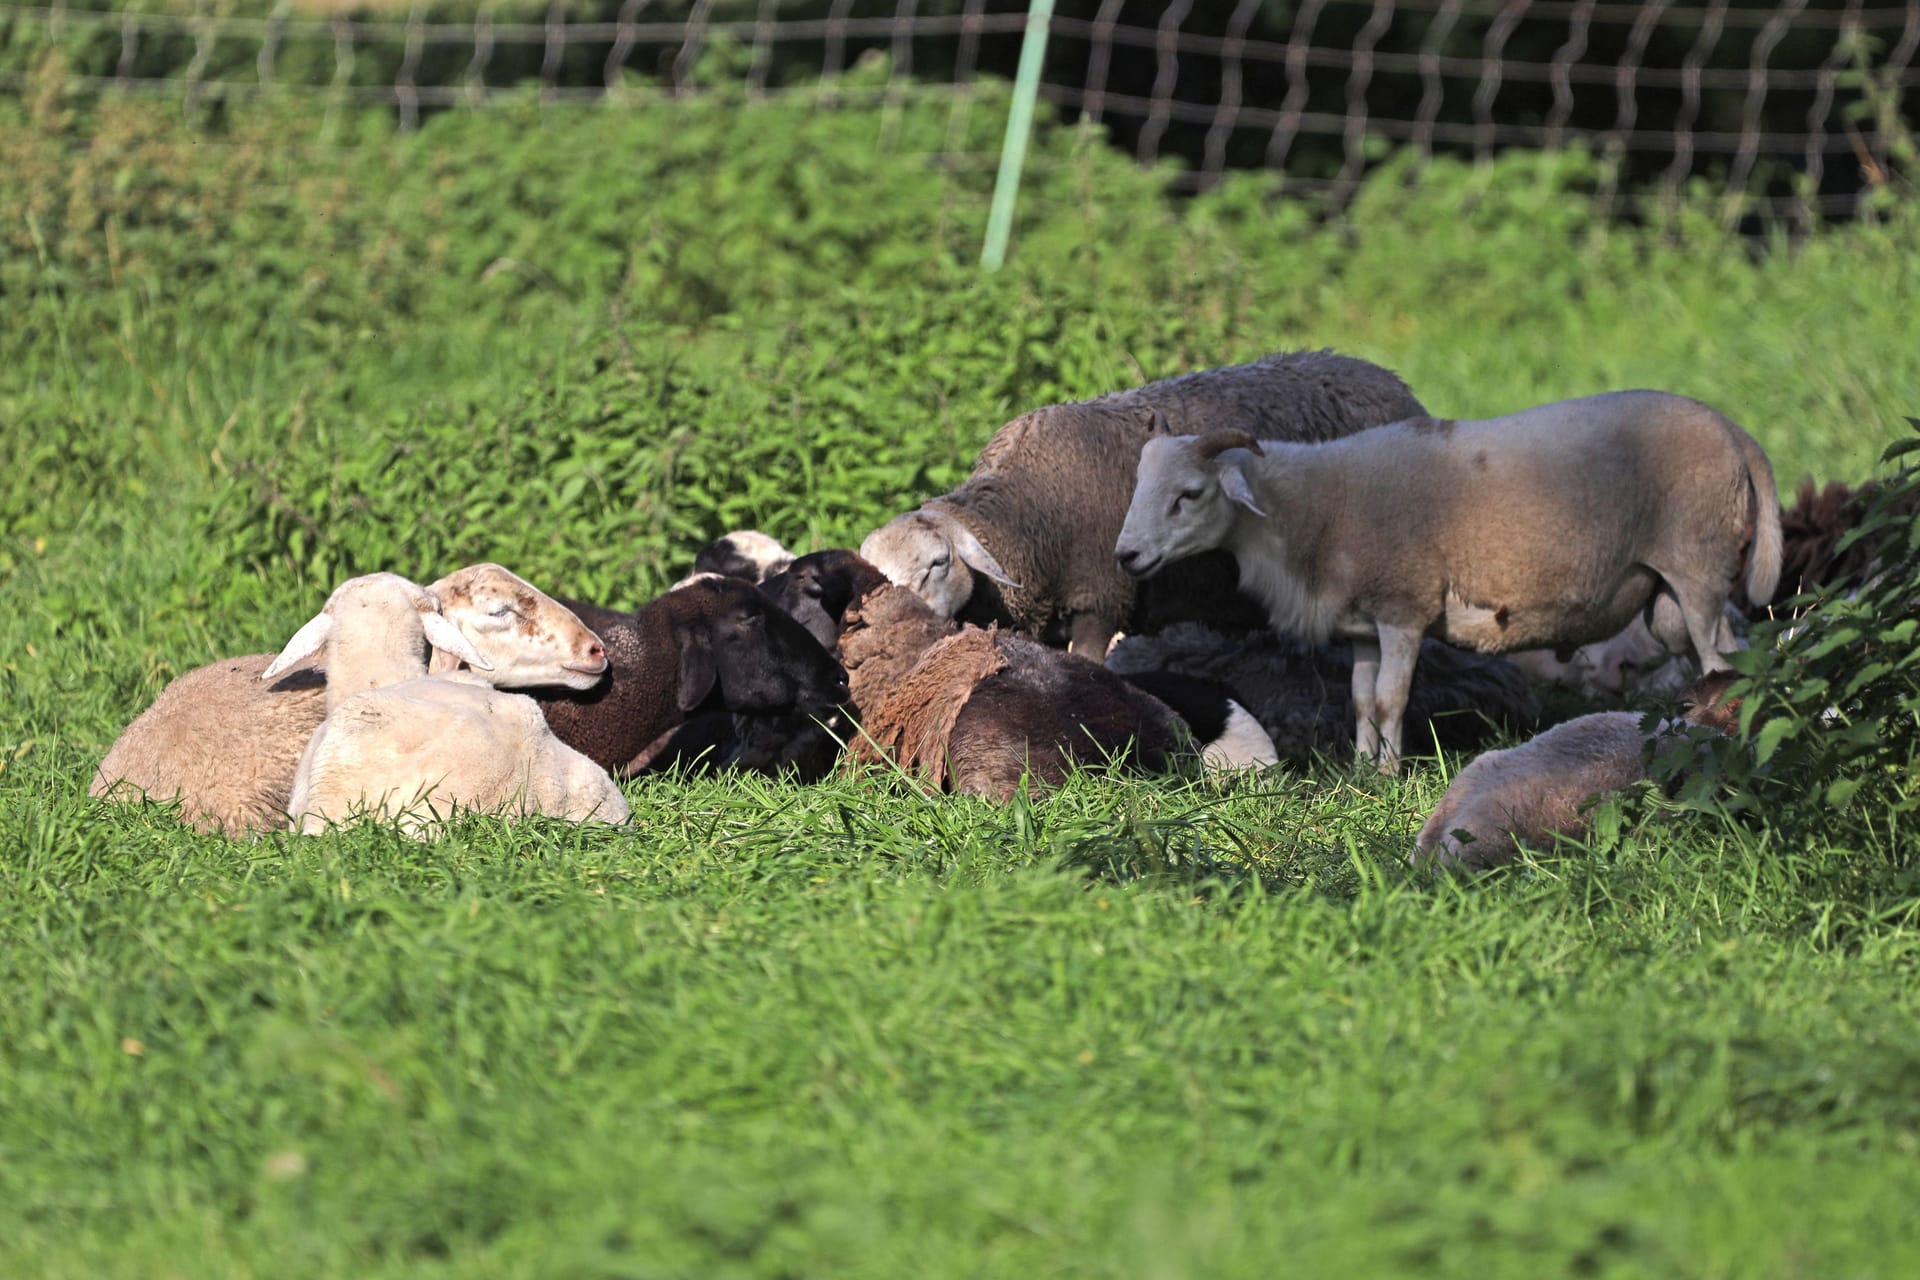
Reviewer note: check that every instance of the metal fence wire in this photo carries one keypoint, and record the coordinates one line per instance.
(1794, 105)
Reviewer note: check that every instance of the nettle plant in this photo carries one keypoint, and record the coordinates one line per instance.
(1830, 710)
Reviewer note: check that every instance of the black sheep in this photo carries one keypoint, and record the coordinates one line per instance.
(713, 646)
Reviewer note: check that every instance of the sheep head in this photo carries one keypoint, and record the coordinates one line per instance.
(747, 554)
(817, 589)
(376, 604)
(735, 641)
(1184, 498)
(932, 554)
(526, 637)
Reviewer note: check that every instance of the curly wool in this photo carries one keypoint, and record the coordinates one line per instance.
(913, 724)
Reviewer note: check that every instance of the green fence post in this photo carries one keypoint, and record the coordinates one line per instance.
(1013, 152)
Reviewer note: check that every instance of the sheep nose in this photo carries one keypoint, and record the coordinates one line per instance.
(596, 651)
(1126, 559)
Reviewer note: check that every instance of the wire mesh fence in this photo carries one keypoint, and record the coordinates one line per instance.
(1793, 107)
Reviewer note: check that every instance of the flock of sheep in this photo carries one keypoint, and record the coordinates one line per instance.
(1159, 573)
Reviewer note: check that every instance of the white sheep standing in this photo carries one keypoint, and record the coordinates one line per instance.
(1551, 527)
(225, 739)
(1025, 541)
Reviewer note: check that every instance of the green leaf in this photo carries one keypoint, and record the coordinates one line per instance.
(1841, 790)
(1772, 734)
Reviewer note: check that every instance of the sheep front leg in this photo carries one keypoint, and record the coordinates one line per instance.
(1366, 674)
(1399, 651)
(1090, 636)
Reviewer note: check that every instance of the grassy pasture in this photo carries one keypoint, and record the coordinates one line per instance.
(1160, 1028)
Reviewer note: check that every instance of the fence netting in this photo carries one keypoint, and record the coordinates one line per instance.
(1794, 107)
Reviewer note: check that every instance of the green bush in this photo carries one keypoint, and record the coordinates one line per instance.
(1830, 710)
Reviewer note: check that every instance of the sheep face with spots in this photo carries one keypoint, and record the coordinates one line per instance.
(527, 637)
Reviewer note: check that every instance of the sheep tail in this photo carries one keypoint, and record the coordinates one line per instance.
(1764, 558)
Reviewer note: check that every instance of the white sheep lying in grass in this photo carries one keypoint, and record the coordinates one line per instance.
(1551, 527)
(422, 748)
(225, 739)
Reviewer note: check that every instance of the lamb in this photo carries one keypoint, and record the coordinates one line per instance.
(975, 710)
(1630, 662)
(1545, 786)
(1299, 693)
(714, 645)
(420, 749)
(225, 739)
(1024, 541)
(1547, 528)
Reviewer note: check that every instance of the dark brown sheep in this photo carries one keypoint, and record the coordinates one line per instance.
(975, 711)
(818, 587)
(1810, 531)
(815, 590)
(714, 645)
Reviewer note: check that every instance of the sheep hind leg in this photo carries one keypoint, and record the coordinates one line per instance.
(1366, 720)
(1399, 651)
(1691, 619)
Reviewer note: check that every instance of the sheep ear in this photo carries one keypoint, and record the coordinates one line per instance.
(305, 643)
(698, 674)
(450, 645)
(978, 558)
(1233, 483)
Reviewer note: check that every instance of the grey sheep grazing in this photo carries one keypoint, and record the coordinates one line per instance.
(225, 739)
(1546, 786)
(1551, 527)
(1027, 540)
(1299, 693)
(976, 711)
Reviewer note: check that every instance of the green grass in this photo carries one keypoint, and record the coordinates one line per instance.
(1159, 1028)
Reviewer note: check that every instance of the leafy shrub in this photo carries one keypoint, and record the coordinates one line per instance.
(1830, 713)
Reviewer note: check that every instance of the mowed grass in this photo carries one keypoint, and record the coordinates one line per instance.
(1139, 1027)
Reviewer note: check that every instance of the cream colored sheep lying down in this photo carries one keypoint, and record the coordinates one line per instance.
(1546, 786)
(420, 749)
(225, 739)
